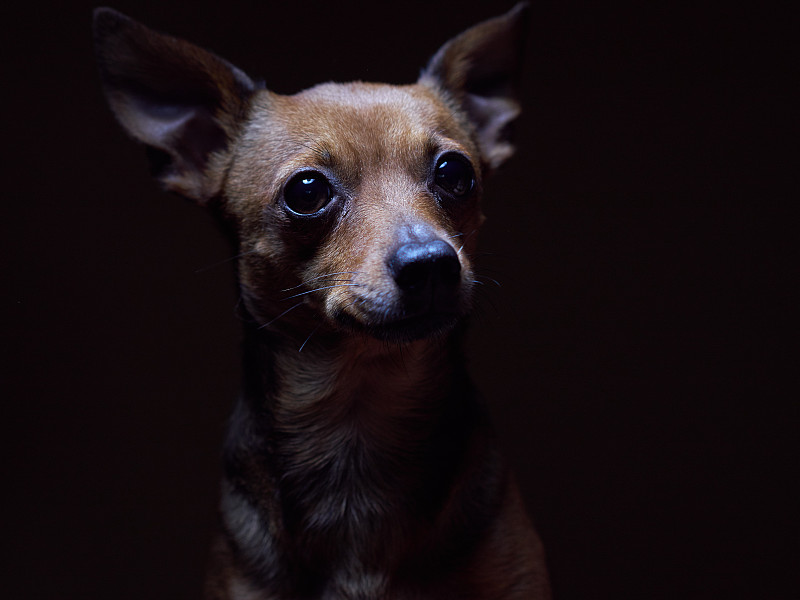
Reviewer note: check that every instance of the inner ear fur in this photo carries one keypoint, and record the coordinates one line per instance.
(183, 102)
(479, 71)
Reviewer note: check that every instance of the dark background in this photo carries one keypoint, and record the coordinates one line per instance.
(619, 353)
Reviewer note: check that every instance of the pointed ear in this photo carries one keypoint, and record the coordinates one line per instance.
(183, 102)
(478, 70)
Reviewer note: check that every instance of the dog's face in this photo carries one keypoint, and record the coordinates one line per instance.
(355, 206)
(361, 202)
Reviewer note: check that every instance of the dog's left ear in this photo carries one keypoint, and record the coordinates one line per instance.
(479, 70)
(184, 103)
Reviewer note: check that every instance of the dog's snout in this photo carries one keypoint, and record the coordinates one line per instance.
(427, 272)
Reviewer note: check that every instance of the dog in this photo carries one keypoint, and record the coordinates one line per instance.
(359, 461)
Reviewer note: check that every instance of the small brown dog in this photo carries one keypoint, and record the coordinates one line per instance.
(359, 462)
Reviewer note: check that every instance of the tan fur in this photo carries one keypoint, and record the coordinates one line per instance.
(378, 133)
(359, 462)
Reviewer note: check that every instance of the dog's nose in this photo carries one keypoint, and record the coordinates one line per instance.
(427, 272)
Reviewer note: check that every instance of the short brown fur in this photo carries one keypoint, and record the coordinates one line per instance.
(359, 461)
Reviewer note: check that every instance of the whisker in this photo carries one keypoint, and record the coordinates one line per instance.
(327, 287)
(268, 323)
(222, 262)
(464, 241)
(494, 281)
(336, 281)
(300, 349)
(480, 306)
(319, 277)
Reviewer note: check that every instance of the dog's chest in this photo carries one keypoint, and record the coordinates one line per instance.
(350, 439)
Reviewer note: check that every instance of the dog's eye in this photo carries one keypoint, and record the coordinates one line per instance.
(307, 193)
(454, 174)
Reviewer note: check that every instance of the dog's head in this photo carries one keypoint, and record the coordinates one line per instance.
(353, 205)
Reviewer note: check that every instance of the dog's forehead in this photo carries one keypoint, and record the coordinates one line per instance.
(408, 103)
(355, 120)
(403, 108)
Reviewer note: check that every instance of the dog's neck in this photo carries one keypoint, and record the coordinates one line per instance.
(358, 392)
(350, 443)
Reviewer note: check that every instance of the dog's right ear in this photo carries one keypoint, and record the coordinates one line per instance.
(184, 103)
(479, 71)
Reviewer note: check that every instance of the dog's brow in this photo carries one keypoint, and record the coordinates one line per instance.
(319, 150)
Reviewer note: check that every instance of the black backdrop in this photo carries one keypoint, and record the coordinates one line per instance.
(618, 351)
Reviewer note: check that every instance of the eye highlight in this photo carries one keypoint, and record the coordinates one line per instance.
(307, 192)
(454, 174)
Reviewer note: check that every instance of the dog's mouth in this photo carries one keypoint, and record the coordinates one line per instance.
(400, 328)
(398, 317)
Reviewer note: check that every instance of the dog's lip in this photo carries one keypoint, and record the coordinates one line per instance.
(403, 328)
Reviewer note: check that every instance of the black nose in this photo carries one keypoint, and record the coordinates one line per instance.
(428, 273)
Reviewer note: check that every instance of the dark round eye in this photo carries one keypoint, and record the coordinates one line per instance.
(454, 174)
(307, 193)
